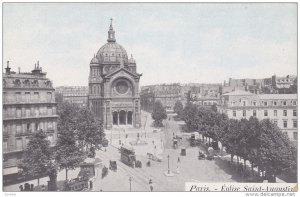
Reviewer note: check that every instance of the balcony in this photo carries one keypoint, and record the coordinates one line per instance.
(27, 133)
(30, 117)
(6, 102)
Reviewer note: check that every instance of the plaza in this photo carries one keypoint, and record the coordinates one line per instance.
(189, 169)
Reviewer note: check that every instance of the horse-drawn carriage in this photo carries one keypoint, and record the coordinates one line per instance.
(154, 157)
(201, 155)
(113, 165)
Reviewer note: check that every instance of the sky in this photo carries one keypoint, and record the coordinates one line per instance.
(171, 42)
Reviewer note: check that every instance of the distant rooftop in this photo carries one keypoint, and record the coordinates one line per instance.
(238, 93)
(277, 96)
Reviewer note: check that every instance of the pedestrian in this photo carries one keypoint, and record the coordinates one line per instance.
(21, 188)
(151, 185)
(178, 160)
(31, 187)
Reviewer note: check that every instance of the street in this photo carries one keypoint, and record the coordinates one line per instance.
(190, 168)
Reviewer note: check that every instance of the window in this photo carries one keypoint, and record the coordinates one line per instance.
(274, 103)
(294, 102)
(27, 111)
(28, 127)
(19, 112)
(36, 126)
(36, 96)
(19, 128)
(244, 103)
(18, 97)
(295, 135)
(49, 96)
(50, 126)
(284, 102)
(36, 111)
(254, 103)
(265, 103)
(294, 112)
(234, 113)
(295, 124)
(4, 97)
(284, 124)
(276, 122)
(244, 113)
(27, 97)
(19, 144)
(275, 112)
(254, 113)
(49, 109)
(4, 146)
(284, 113)
(266, 113)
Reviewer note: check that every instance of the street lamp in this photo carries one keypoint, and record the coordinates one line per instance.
(111, 137)
(168, 164)
(130, 179)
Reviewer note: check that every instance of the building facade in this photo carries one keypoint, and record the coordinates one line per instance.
(205, 94)
(114, 86)
(281, 109)
(167, 94)
(74, 94)
(283, 82)
(28, 106)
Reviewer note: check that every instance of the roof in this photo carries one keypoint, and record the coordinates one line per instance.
(278, 96)
(238, 93)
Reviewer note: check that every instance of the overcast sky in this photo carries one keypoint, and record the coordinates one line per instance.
(183, 42)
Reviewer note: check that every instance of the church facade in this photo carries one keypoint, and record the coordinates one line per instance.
(114, 86)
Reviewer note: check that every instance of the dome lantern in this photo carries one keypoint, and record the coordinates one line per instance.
(111, 33)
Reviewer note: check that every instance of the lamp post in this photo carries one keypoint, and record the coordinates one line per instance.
(168, 164)
(130, 179)
(111, 137)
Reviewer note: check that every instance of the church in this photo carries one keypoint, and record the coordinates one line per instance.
(114, 86)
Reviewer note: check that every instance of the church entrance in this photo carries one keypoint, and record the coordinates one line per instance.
(122, 117)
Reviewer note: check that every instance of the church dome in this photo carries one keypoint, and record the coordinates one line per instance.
(112, 51)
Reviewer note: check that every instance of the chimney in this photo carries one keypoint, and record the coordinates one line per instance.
(7, 69)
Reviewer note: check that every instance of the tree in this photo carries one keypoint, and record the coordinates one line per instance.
(275, 153)
(68, 153)
(90, 132)
(159, 114)
(58, 97)
(37, 158)
(178, 107)
(190, 116)
(214, 107)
